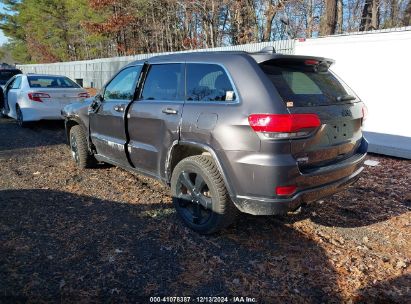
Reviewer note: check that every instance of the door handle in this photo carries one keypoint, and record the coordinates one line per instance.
(170, 111)
(119, 108)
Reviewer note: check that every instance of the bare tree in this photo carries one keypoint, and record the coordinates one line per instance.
(340, 17)
(329, 19)
(407, 14)
(309, 16)
(272, 8)
(370, 19)
(244, 25)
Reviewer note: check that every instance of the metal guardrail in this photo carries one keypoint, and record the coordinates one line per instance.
(95, 73)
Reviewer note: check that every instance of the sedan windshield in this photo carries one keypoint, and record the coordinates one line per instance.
(51, 82)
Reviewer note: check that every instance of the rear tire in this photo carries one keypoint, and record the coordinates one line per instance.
(20, 118)
(79, 148)
(200, 196)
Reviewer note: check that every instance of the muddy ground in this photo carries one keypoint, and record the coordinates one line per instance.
(104, 234)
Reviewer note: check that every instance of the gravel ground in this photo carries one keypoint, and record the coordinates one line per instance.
(104, 234)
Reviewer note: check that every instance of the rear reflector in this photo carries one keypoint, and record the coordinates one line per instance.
(38, 96)
(84, 95)
(285, 190)
(283, 123)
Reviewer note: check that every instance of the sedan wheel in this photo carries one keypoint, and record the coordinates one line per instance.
(20, 118)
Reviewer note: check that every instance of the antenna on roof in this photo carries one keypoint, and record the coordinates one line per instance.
(268, 49)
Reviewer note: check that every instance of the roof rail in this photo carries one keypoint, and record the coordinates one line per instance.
(268, 49)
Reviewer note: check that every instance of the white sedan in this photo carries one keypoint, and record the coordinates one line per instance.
(33, 97)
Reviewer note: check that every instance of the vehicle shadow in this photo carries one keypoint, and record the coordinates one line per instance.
(42, 133)
(60, 246)
(396, 290)
(57, 245)
(269, 261)
(362, 204)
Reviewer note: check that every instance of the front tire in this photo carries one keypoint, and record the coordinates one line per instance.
(200, 196)
(79, 148)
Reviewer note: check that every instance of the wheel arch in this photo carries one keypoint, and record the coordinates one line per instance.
(183, 149)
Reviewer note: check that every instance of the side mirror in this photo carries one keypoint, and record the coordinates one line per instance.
(99, 97)
(95, 104)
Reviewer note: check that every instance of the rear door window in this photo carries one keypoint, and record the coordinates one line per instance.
(208, 82)
(51, 82)
(164, 82)
(306, 85)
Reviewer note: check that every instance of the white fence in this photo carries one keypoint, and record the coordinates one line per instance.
(375, 64)
(95, 73)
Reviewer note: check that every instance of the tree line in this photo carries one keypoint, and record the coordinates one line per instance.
(61, 30)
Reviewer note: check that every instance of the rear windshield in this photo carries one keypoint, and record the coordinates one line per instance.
(51, 82)
(6, 75)
(306, 86)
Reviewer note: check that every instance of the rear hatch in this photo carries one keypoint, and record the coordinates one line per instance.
(307, 86)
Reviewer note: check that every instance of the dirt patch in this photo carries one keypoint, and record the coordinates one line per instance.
(86, 235)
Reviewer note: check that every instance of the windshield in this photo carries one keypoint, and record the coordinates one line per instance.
(51, 82)
(306, 85)
(6, 75)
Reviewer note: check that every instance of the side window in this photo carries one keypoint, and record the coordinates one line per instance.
(208, 82)
(164, 82)
(17, 83)
(122, 86)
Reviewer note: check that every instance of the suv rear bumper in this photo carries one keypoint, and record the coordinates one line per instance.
(313, 186)
(264, 206)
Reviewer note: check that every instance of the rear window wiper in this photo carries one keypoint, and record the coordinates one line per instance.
(346, 97)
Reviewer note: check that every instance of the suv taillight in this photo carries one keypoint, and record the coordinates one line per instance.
(38, 96)
(283, 126)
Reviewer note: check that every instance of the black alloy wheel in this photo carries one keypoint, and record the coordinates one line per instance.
(194, 198)
(200, 195)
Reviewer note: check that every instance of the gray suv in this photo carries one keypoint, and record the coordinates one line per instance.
(261, 133)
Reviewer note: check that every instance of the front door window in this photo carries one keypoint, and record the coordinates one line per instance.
(122, 86)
